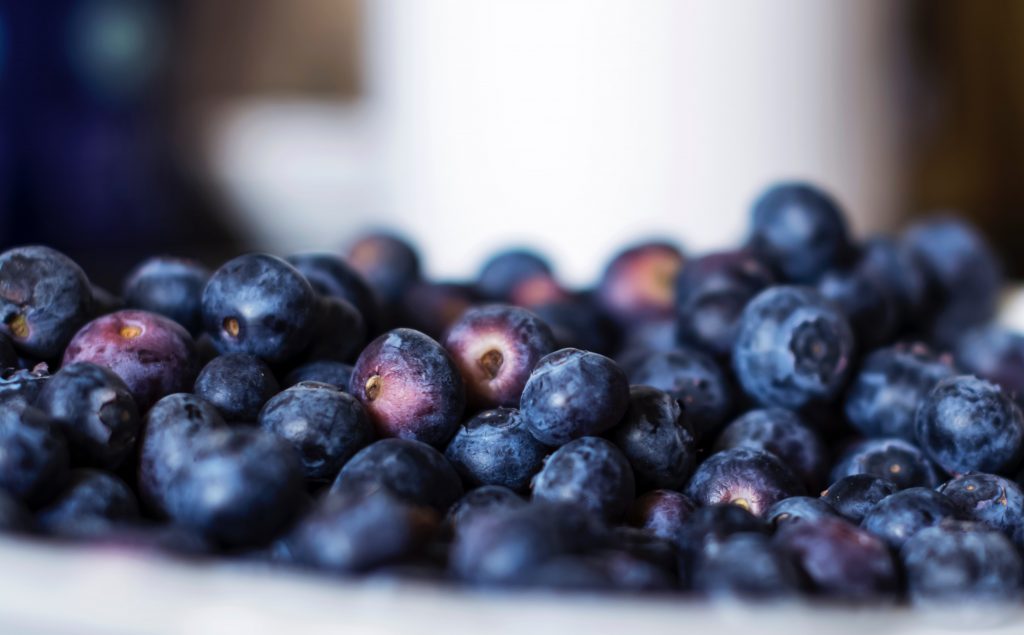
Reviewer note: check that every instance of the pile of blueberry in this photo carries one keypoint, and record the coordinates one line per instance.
(805, 415)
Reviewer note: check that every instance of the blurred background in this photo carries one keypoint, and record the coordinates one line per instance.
(209, 127)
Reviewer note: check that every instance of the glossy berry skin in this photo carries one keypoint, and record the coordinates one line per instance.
(962, 562)
(496, 448)
(839, 560)
(695, 379)
(868, 301)
(853, 497)
(95, 411)
(894, 460)
(172, 287)
(325, 426)
(44, 298)
(241, 486)
(751, 479)
(33, 455)
(337, 374)
(793, 349)
(412, 471)
(994, 353)
(261, 305)
(495, 348)
(785, 435)
(798, 509)
(387, 263)
(638, 285)
(710, 295)
(330, 275)
(14, 517)
(480, 502)
(410, 387)
(662, 513)
(967, 424)
(993, 500)
(237, 385)
(746, 565)
(590, 472)
(572, 394)
(899, 516)
(799, 230)
(91, 501)
(506, 270)
(153, 355)
(884, 395)
(657, 439)
(338, 332)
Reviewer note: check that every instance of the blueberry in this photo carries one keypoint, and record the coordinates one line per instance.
(968, 424)
(480, 502)
(14, 517)
(590, 472)
(410, 387)
(839, 560)
(338, 331)
(793, 348)
(412, 471)
(798, 509)
(96, 412)
(899, 516)
(751, 479)
(893, 261)
(433, 307)
(496, 448)
(883, 398)
(576, 323)
(707, 528)
(325, 426)
(638, 285)
(662, 513)
(989, 499)
(609, 571)
(693, 378)
(799, 230)
(387, 263)
(710, 295)
(538, 290)
(504, 271)
(996, 354)
(656, 437)
(573, 393)
(337, 374)
(33, 455)
(21, 387)
(330, 275)
(261, 305)
(746, 565)
(237, 384)
(894, 460)
(782, 433)
(495, 348)
(44, 299)
(153, 355)
(172, 287)
(240, 486)
(961, 562)
(91, 501)
(854, 496)
(868, 300)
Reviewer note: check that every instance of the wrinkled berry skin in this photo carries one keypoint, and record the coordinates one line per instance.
(14, 518)
(153, 355)
(496, 348)
(91, 501)
(883, 398)
(330, 275)
(994, 353)
(349, 532)
(867, 300)
(387, 263)
(853, 497)
(44, 298)
(241, 486)
(638, 285)
(496, 448)
(662, 513)
(785, 435)
(897, 517)
(412, 471)
(237, 385)
(840, 560)
(337, 374)
(894, 460)
(172, 287)
(506, 270)
(799, 230)
(797, 509)
(480, 502)
(993, 500)
(338, 331)
(590, 472)
(966, 424)
(751, 479)
(693, 378)
(33, 455)
(710, 295)
(793, 348)
(410, 387)
(746, 566)
(261, 305)
(961, 562)
(325, 426)
(656, 437)
(572, 394)
(95, 411)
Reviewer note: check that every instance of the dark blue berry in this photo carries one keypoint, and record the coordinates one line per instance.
(576, 323)
(172, 287)
(994, 353)
(746, 565)
(899, 516)
(868, 300)
(507, 269)
(638, 284)
(657, 439)
(798, 509)
(330, 275)
(495, 447)
(91, 501)
(338, 374)
(387, 263)
(751, 479)
(894, 460)
(33, 455)
(854, 496)
(479, 502)
(590, 472)
(993, 500)
(237, 384)
(662, 513)
(338, 332)
(785, 435)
